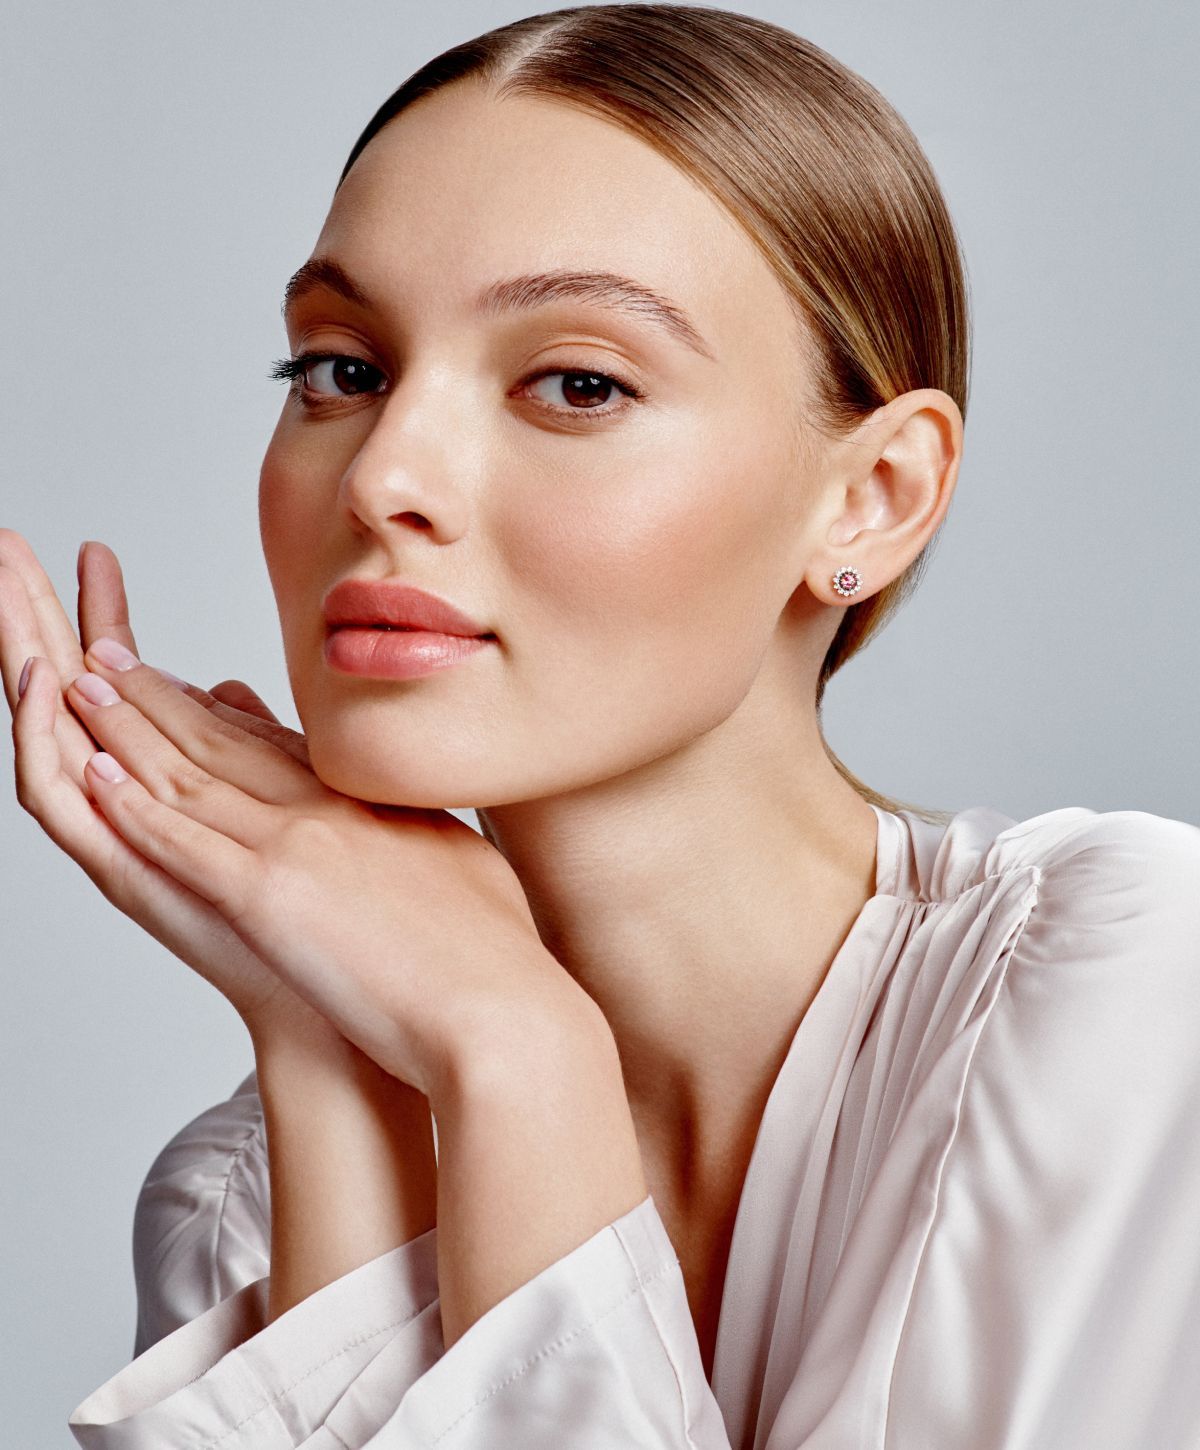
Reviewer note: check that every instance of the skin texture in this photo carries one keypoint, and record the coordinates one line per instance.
(641, 742)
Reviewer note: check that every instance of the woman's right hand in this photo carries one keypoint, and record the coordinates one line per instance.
(33, 622)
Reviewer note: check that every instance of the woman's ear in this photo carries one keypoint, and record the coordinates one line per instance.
(891, 482)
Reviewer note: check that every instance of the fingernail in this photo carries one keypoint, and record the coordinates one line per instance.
(97, 690)
(106, 767)
(174, 679)
(112, 654)
(24, 680)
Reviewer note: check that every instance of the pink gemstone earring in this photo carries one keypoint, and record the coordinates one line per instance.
(847, 580)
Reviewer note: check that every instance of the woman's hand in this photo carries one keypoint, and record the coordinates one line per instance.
(403, 927)
(51, 779)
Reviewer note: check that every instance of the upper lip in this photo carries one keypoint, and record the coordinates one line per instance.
(379, 601)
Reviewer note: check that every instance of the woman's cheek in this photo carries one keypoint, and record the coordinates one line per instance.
(295, 540)
(294, 533)
(665, 549)
(643, 629)
(273, 490)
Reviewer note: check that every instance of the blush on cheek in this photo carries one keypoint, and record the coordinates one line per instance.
(296, 529)
(655, 597)
(682, 551)
(272, 495)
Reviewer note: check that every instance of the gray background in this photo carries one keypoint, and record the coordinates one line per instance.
(167, 166)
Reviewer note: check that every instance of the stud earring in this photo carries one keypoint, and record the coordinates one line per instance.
(847, 580)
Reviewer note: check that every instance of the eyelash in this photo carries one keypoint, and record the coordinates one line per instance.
(294, 369)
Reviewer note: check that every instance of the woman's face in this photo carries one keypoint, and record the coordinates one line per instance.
(632, 555)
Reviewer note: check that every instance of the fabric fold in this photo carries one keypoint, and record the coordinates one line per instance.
(598, 1350)
(229, 1376)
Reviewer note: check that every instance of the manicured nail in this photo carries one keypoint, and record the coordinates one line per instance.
(97, 690)
(174, 679)
(106, 767)
(112, 654)
(24, 680)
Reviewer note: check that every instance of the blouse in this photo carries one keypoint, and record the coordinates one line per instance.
(970, 1221)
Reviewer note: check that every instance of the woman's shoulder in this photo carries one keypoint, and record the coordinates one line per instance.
(1106, 900)
(1090, 854)
(1117, 892)
(1050, 1126)
(1081, 833)
(228, 1133)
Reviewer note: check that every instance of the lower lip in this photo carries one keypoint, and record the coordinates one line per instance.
(397, 654)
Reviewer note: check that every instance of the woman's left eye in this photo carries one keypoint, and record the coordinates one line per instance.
(585, 392)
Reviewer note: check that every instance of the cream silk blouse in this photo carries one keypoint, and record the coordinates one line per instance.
(971, 1220)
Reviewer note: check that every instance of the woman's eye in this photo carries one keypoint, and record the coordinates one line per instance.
(343, 375)
(581, 391)
(329, 374)
(568, 392)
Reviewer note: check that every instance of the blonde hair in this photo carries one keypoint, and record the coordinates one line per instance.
(823, 174)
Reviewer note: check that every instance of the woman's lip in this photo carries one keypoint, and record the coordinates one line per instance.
(360, 602)
(397, 654)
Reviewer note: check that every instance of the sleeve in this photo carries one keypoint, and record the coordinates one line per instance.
(597, 1350)
(1056, 1301)
(201, 1225)
(206, 1363)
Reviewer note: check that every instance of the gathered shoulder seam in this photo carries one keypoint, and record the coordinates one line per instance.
(952, 1140)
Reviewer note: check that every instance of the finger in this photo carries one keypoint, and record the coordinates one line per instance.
(104, 613)
(238, 704)
(164, 771)
(241, 697)
(265, 727)
(181, 919)
(220, 870)
(58, 805)
(58, 640)
(103, 605)
(21, 637)
(179, 750)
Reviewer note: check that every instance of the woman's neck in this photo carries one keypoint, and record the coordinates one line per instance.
(699, 900)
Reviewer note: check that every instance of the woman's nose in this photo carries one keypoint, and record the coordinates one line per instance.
(408, 475)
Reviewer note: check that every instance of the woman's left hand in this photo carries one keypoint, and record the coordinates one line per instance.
(403, 926)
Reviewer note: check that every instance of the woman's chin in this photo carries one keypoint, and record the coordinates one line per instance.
(369, 774)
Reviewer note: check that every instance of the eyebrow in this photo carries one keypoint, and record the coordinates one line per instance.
(529, 290)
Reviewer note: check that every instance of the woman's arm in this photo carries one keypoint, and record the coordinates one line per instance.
(580, 1330)
(351, 1158)
(537, 1152)
(537, 1146)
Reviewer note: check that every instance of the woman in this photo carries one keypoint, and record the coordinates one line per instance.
(770, 1112)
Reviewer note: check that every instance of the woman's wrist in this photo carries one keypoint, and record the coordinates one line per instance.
(288, 1025)
(526, 1121)
(350, 1151)
(278, 1047)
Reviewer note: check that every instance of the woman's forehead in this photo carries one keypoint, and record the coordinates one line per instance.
(489, 189)
(544, 190)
